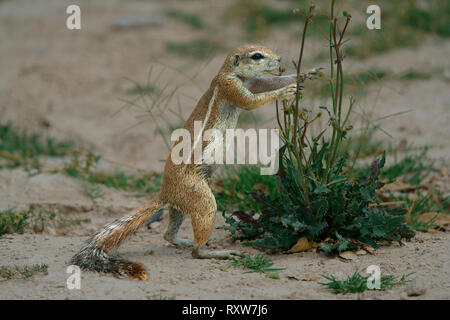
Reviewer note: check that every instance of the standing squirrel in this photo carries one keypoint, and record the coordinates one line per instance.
(240, 84)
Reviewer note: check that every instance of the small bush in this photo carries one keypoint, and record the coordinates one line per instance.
(314, 198)
(340, 210)
(357, 283)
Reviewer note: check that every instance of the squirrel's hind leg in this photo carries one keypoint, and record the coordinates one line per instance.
(176, 219)
(202, 224)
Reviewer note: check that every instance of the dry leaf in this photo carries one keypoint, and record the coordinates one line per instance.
(301, 245)
(218, 186)
(427, 185)
(384, 197)
(225, 267)
(439, 219)
(413, 196)
(361, 252)
(436, 198)
(427, 216)
(398, 185)
(368, 248)
(388, 203)
(408, 214)
(404, 186)
(308, 277)
(348, 255)
(315, 244)
(444, 171)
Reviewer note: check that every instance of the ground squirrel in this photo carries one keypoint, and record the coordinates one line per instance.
(240, 84)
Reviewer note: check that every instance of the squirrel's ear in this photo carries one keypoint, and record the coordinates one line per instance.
(237, 58)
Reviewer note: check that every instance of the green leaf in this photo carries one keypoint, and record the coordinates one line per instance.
(321, 190)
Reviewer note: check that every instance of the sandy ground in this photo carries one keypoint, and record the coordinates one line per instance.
(71, 83)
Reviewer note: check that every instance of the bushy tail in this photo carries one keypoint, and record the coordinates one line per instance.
(94, 256)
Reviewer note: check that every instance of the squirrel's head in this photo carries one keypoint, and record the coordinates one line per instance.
(251, 61)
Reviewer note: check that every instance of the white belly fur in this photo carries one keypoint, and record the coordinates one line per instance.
(226, 119)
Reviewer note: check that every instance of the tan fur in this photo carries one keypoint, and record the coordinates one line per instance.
(185, 187)
(139, 217)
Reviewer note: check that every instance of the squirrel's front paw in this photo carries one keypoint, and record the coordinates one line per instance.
(289, 92)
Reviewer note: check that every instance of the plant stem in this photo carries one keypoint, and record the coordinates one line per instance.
(337, 90)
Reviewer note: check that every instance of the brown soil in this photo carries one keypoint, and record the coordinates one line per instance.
(70, 84)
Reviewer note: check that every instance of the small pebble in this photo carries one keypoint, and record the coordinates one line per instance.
(415, 288)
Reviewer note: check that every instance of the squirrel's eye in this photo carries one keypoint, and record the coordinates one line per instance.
(257, 56)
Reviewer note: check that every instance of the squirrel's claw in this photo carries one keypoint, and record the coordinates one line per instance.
(156, 217)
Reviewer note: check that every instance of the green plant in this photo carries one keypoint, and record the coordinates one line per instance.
(404, 24)
(143, 184)
(259, 263)
(413, 74)
(140, 89)
(93, 192)
(364, 144)
(63, 220)
(21, 272)
(314, 198)
(19, 148)
(25, 150)
(258, 18)
(12, 221)
(340, 211)
(412, 168)
(380, 42)
(159, 104)
(355, 83)
(199, 49)
(358, 283)
(233, 190)
(420, 205)
(192, 20)
(431, 17)
(274, 275)
(83, 165)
